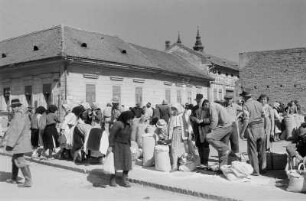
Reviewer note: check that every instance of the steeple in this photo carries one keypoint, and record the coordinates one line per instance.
(198, 44)
(179, 39)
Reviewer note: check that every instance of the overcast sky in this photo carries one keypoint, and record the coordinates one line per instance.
(227, 27)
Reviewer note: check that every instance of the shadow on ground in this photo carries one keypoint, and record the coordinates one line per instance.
(101, 180)
(5, 176)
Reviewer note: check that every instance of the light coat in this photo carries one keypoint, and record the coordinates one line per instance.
(19, 133)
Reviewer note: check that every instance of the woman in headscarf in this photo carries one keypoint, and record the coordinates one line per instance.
(80, 135)
(178, 134)
(278, 118)
(268, 119)
(119, 144)
(67, 127)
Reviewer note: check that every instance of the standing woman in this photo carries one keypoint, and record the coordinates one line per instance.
(35, 135)
(50, 137)
(19, 143)
(268, 119)
(119, 144)
(70, 120)
(178, 134)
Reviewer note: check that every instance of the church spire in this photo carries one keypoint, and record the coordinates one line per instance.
(198, 44)
(179, 38)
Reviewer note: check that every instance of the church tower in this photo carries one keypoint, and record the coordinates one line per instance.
(198, 44)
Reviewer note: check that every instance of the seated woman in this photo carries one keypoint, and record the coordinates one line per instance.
(297, 149)
(97, 143)
(161, 131)
(80, 135)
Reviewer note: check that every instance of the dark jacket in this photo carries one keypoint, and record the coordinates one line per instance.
(120, 133)
(137, 112)
(164, 111)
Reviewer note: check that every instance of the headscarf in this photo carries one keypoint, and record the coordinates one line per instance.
(52, 108)
(125, 116)
(40, 110)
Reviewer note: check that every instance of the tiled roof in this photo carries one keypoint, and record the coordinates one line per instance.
(101, 47)
(21, 49)
(171, 63)
(211, 58)
(71, 42)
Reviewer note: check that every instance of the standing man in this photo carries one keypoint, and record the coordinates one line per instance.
(221, 128)
(164, 111)
(234, 111)
(253, 124)
(200, 140)
(19, 143)
(148, 112)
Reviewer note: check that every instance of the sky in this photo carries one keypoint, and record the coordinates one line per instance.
(227, 27)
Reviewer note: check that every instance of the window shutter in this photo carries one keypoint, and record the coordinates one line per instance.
(117, 92)
(138, 94)
(179, 96)
(90, 93)
(168, 95)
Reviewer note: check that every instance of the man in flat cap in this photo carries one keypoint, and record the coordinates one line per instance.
(253, 124)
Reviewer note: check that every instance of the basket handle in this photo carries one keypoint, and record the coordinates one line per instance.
(300, 169)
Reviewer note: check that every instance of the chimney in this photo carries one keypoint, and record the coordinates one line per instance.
(167, 44)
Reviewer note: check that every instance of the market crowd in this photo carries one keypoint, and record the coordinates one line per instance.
(88, 133)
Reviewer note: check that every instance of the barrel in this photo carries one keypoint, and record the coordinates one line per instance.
(290, 125)
(162, 158)
(148, 149)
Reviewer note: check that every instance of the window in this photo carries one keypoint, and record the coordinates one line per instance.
(215, 94)
(6, 94)
(47, 91)
(138, 95)
(90, 93)
(117, 92)
(189, 97)
(179, 96)
(28, 94)
(220, 94)
(168, 95)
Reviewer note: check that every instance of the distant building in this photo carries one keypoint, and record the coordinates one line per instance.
(278, 73)
(225, 72)
(63, 64)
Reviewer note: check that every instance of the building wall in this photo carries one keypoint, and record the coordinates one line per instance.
(225, 81)
(153, 86)
(35, 76)
(280, 74)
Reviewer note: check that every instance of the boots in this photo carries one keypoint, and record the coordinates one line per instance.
(14, 176)
(112, 180)
(205, 156)
(27, 176)
(126, 183)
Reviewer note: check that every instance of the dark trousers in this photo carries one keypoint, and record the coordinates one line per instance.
(34, 137)
(203, 149)
(256, 147)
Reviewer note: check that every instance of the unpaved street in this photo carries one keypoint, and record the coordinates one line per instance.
(50, 183)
